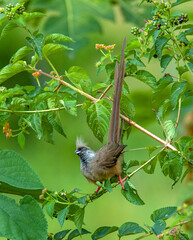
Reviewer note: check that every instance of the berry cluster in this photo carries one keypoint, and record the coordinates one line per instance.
(12, 10)
(7, 131)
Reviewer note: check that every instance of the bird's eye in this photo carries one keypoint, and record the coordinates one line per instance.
(81, 148)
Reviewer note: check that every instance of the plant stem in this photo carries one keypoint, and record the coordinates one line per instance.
(52, 66)
(33, 111)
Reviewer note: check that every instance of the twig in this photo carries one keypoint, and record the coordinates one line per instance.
(106, 90)
(151, 233)
(148, 133)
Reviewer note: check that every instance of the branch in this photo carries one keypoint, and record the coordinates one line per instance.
(151, 233)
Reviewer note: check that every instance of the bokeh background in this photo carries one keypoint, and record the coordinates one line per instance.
(89, 22)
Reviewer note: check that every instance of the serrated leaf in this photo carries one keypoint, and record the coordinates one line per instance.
(26, 221)
(78, 218)
(177, 90)
(21, 140)
(103, 231)
(164, 108)
(130, 228)
(57, 37)
(127, 106)
(46, 130)
(133, 44)
(70, 101)
(15, 171)
(158, 227)
(37, 43)
(146, 77)
(163, 213)
(79, 77)
(49, 207)
(56, 124)
(165, 60)
(170, 129)
(35, 122)
(11, 70)
(130, 193)
(21, 53)
(76, 233)
(51, 48)
(159, 45)
(8, 27)
(178, 2)
(98, 117)
(61, 235)
(62, 216)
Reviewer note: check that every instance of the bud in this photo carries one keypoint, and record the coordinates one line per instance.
(36, 74)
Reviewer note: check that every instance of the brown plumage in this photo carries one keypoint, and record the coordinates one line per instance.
(106, 162)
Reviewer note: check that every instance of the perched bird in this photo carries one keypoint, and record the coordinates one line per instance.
(106, 162)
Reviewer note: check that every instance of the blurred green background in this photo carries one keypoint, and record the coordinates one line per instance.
(57, 165)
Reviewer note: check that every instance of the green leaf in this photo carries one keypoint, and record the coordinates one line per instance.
(37, 43)
(82, 200)
(136, 61)
(150, 168)
(146, 77)
(11, 70)
(21, 53)
(49, 207)
(127, 106)
(159, 45)
(170, 129)
(103, 231)
(8, 27)
(165, 60)
(46, 130)
(78, 218)
(57, 37)
(178, 2)
(56, 124)
(163, 213)
(158, 227)
(32, 15)
(24, 221)
(133, 44)
(130, 228)
(177, 90)
(76, 233)
(15, 171)
(35, 122)
(98, 117)
(62, 216)
(130, 193)
(21, 140)
(69, 102)
(107, 185)
(61, 235)
(51, 48)
(79, 77)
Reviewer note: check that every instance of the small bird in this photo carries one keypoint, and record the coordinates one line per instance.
(106, 162)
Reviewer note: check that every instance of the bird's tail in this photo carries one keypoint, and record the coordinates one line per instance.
(114, 132)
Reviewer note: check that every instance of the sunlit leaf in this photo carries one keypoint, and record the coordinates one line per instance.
(57, 37)
(159, 45)
(51, 48)
(7, 28)
(130, 193)
(146, 77)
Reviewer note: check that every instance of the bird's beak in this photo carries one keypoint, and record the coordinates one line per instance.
(77, 152)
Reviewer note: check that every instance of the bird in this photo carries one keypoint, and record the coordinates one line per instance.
(106, 162)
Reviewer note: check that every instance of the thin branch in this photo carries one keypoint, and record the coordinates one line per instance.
(106, 90)
(151, 233)
(33, 111)
(148, 133)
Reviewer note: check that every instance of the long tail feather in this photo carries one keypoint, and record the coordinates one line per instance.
(118, 78)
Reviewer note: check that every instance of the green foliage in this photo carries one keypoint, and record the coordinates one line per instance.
(37, 107)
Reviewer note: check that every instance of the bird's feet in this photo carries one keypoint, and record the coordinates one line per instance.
(121, 181)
